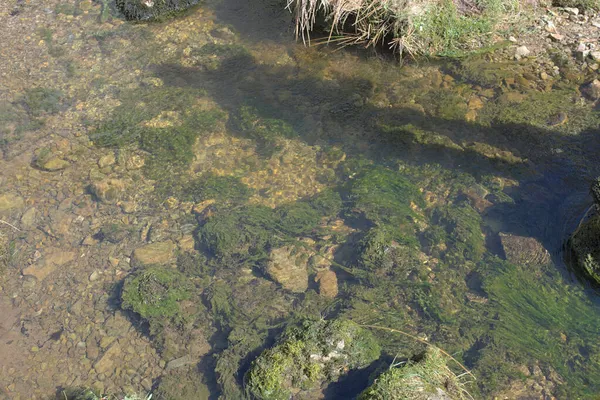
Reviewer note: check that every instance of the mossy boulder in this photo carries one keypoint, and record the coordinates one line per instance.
(585, 241)
(428, 379)
(585, 244)
(155, 293)
(148, 10)
(308, 356)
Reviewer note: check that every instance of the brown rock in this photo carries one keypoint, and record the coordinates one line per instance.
(523, 250)
(187, 243)
(109, 360)
(49, 264)
(287, 266)
(328, 283)
(108, 190)
(154, 253)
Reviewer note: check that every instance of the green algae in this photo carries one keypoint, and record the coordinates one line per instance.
(213, 187)
(427, 378)
(39, 101)
(309, 354)
(155, 294)
(463, 225)
(540, 317)
(182, 384)
(386, 198)
(171, 146)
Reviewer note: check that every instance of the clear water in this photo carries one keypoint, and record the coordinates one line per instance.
(443, 161)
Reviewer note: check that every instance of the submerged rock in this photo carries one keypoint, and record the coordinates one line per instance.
(585, 241)
(288, 266)
(521, 250)
(48, 264)
(328, 283)
(146, 10)
(308, 356)
(155, 253)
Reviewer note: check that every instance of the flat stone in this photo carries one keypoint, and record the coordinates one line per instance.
(108, 190)
(328, 283)
(180, 362)
(522, 250)
(48, 264)
(571, 10)
(557, 37)
(109, 360)
(154, 253)
(9, 201)
(54, 164)
(287, 266)
(107, 160)
(522, 51)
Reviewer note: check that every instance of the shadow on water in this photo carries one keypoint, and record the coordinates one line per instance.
(257, 20)
(547, 177)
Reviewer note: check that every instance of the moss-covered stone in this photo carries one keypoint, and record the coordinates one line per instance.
(147, 10)
(309, 355)
(585, 243)
(155, 293)
(428, 379)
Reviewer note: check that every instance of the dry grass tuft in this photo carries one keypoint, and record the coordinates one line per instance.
(410, 27)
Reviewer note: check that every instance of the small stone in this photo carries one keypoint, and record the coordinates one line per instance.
(134, 162)
(53, 164)
(512, 39)
(10, 201)
(94, 276)
(180, 362)
(108, 190)
(328, 283)
(154, 253)
(522, 51)
(107, 160)
(595, 55)
(187, 243)
(572, 10)
(475, 103)
(556, 37)
(471, 116)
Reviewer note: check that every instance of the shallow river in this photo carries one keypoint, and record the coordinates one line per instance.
(282, 182)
